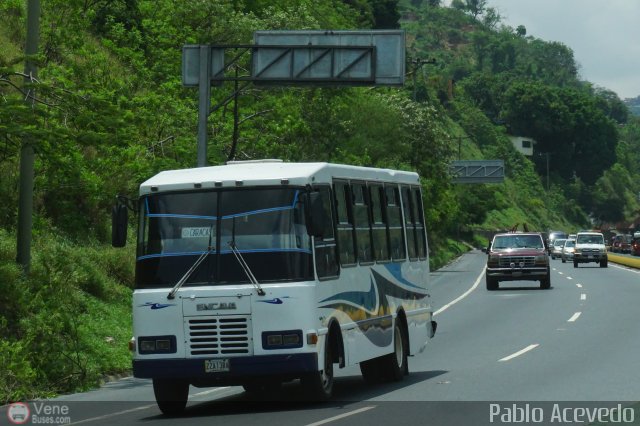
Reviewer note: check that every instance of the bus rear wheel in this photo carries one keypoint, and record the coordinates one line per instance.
(171, 395)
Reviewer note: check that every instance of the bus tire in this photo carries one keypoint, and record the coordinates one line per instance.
(171, 395)
(319, 384)
(396, 364)
(371, 371)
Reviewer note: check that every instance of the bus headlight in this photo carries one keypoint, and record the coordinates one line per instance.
(282, 339)
(148, 345)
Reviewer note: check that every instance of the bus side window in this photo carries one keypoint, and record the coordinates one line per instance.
(420, 228)
(325, 247)
(379, 222)
(362, 222)
(409, 223)
(394, 213)
(346, 230)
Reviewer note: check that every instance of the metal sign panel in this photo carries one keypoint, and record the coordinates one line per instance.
(191, 64)
(477, 171)
(342, 57)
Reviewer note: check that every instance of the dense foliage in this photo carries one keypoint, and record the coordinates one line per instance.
(107, 111)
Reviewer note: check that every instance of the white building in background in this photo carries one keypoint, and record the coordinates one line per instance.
(523, 144)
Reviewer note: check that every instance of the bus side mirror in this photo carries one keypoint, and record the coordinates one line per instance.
(119, 219)
(314, 211)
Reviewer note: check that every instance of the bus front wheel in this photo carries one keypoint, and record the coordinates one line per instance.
(372, 371)
(319, 384)
(171, 395)
(396, 363)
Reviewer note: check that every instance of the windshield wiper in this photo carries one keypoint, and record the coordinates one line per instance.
(185, 277)
(245, 267)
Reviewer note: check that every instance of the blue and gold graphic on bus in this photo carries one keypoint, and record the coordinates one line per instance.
(370, 309)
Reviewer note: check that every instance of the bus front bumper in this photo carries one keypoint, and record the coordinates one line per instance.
(241, 369)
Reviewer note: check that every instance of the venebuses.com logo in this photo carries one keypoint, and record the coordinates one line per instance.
(18, 413)
(40, 412)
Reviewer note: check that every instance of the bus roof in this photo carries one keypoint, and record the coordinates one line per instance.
(269, 173)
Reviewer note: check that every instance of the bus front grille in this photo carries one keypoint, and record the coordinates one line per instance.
(227, 336)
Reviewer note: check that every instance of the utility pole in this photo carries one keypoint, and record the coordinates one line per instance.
(27, 152)
(547, 171)
(546, 154)
(204, 103)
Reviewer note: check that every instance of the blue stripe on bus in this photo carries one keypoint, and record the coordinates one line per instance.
(252, 212)
(396, 272)
(182, 216)
(190, 253)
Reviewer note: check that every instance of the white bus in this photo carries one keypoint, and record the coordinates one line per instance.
(262, 272)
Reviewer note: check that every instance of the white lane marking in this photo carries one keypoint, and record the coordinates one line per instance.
(523, 351)
(119, 413)
(465, 294)
(574, 317)
(342, 416)
(210, 391)
(579, 285)
(144, 407)
(569, 278)
(625, 268)
(583, 296)
(561, 273)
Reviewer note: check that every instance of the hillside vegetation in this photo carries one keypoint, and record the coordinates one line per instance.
(109, 111)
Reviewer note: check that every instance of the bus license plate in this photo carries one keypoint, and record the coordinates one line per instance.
(216, 365)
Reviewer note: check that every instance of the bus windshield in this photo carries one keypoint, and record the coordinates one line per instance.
(266, 225)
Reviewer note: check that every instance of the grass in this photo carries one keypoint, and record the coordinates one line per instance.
(67, 324)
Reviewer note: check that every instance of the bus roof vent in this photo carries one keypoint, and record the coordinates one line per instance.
(266, 160)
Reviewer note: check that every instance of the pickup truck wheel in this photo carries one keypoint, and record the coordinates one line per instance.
(545, 283)
(575, 264)
(492, 284)
(564, 260)
(603, 263)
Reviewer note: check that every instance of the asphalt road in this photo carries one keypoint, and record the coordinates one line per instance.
(575, 345)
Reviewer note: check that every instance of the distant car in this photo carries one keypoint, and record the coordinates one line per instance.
(556, 248)
(568, 250)
(553, 235)
(517, 256)
(621, 243)
(635, 247)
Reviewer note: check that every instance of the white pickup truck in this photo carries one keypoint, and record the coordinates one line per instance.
(590, 248)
